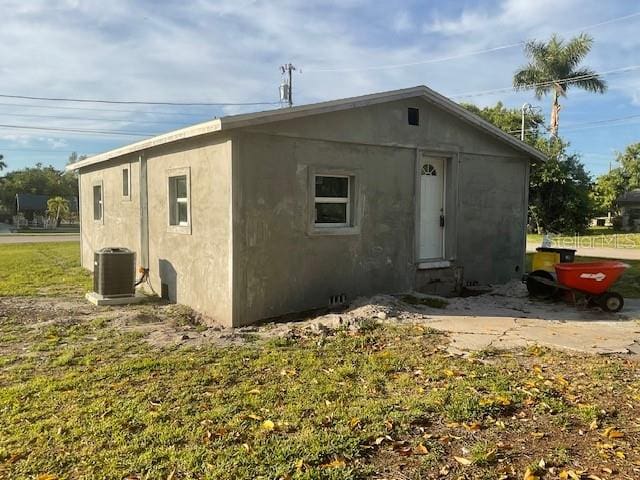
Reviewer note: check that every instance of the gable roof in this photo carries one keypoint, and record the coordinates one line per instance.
(630, 197)
(258, 118)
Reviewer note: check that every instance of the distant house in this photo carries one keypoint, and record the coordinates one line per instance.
(629, 203)
(30, 205)
(254, 216)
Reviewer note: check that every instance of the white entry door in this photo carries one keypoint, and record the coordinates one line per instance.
(432, 182)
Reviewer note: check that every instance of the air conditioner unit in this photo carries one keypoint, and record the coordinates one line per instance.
(114, 271)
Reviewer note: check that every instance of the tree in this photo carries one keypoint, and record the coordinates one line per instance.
(510, 120)
(39, 180)
(553, 67)
(625, 177)
(58, 208)
(559, 189)
(3, 165)
(606, 190)
(629, 162)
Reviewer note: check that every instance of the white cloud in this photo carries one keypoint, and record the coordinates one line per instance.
(231, 50)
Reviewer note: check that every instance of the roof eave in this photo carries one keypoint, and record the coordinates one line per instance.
(173, 136)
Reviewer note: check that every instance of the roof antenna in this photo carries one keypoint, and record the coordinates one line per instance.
(286, 85)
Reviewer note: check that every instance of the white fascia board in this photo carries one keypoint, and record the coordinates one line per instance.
(184, 133)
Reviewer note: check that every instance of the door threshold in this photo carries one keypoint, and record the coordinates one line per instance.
(432, 264)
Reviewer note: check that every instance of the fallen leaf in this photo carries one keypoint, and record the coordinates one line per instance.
(593, 425)
(354, 422)
(268, 425)
(463, 461)
(421, 450)
(472, 426)
(46, 476)
(337, 463)
(255, 391)
(254, 417)
(612, 433)
(530, 475)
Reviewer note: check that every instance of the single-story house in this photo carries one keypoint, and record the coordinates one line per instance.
(629, 203)
(254, 216)
(30, 205)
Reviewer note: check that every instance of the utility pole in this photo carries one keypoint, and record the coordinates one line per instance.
(286, 87)
(525, 108)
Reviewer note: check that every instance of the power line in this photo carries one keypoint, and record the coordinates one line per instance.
(413, 64)
(59, 117)
(543, 84)
(78, 130)
(455, 57)
(61, 107)
(138, 102)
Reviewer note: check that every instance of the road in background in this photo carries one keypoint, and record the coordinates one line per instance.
(39, 238)
(601, 252)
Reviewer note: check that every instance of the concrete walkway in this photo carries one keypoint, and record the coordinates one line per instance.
(41, 238)
(602, 252)
(603, 337)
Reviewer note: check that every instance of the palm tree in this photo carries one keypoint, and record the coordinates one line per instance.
(554, 67)
(3, 165)
(58, 208)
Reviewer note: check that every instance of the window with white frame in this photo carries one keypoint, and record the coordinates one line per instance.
(125, 182)
(179, 201)
(97, 202)
(332, 200)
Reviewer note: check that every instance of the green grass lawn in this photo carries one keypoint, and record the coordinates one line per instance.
(594, 237)
(83, 398)
(42, 269)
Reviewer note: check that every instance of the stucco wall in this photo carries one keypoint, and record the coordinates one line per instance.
(121, 225)
(491, 218)
(386, 124)
(279, 266)
(195, 266)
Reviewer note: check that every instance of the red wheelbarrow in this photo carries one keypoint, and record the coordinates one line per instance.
(591, 279)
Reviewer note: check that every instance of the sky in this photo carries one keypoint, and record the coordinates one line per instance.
(230, 51)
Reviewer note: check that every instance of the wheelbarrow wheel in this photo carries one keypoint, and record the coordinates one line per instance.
(611, 302)
(540, 284)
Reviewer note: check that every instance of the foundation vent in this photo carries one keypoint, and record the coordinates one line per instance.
(335, 300)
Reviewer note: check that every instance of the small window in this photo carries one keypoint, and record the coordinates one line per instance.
(332, 201)
(125, 182)
(413, 116)
(97, 202)
(178, 201)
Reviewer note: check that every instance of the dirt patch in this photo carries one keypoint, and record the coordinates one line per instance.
(504, 318)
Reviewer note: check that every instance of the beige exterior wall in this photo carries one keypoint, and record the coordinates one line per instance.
(195, 266)
(120, 226)
(251, 252)
(281, 266)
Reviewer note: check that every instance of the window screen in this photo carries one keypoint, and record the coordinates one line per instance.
(178, 200)
(332, 200)
(97, 202)
(125, 182)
